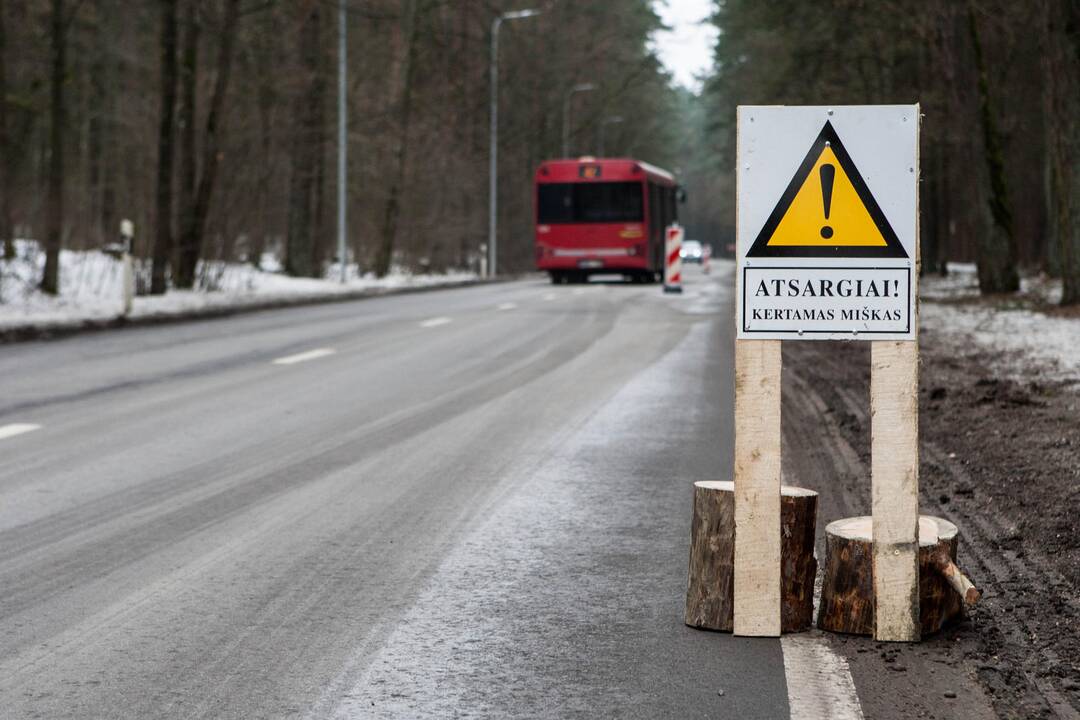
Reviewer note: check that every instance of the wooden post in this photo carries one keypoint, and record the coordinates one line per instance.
(757, 488)
(894, 469)
(894, 402)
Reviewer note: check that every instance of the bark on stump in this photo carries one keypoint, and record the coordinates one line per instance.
(847, 592)
(709, 587)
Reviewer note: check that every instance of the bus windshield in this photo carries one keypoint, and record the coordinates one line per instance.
(597, 202)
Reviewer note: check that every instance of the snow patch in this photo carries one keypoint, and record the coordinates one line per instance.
(90, 287)
(1023, 342)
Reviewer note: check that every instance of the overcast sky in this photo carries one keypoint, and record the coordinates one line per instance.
(687, 48)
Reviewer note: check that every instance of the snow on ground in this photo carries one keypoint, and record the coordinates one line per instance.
(1022, 341)
(90, 288)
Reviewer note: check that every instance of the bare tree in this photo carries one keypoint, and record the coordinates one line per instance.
(5, 152)
(300, 257)
(400, 154)
(194, 223)
(997, 241)
(1061, 108)
(166, 141)
(50, 279)
(186, 119)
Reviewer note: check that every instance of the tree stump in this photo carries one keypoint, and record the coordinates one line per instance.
(847, 592)
(709, 585)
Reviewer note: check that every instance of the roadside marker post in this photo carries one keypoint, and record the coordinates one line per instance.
(127, 240)
(827, 249)
(673, 259)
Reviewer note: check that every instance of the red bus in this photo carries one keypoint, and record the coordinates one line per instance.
(603, 215)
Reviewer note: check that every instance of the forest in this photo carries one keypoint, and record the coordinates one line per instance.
(999, 86)
(212, 124)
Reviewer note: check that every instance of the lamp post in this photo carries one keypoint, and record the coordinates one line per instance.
(493, 159)
(582, 87)
(607, 121)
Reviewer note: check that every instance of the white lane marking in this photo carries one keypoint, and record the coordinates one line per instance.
(304, 356)
(507, 306)
(7, 431)
(549, 296)
(436, 322)
(579, 291)
(819, 683)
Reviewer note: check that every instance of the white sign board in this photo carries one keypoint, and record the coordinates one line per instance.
(827, 215)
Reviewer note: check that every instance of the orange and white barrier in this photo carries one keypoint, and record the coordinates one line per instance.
(673, 262)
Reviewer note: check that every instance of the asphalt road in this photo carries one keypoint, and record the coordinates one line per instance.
(463, 503)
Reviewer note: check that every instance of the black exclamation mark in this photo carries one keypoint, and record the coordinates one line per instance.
(827, 173)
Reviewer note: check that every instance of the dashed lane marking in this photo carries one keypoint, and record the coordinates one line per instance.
(9, 431)
(549, 296)
(304, 356)
(435, 322)
(507, 306)
(819, 683)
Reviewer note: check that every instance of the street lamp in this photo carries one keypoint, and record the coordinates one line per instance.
(582, 87)
(493, 200)
(607, 121)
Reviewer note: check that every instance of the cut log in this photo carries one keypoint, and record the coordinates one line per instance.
(709, 585)
(847, 595)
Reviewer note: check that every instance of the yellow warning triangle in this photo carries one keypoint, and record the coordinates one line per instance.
(827, 211)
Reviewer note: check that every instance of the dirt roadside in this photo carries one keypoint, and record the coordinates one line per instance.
(1001, 459)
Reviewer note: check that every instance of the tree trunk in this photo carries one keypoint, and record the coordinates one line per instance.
(318, 153)
(1061, 107)
(299, 251)
(166, 140)
(110, 91)
(195, 225)
(392, 210)
(186, 117)
(6, 228)
(95, 131)
(266, 100)
(847, 591)
(709, 586)
(997, 241)
(50, 279)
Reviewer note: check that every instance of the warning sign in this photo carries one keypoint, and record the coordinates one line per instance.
(827, 211)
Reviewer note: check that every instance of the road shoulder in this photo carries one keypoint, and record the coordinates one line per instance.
(1008, 496)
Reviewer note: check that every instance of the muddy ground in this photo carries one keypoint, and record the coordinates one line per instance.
(1001, 459)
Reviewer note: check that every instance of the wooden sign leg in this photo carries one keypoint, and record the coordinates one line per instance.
(757, 488)
(894, 404)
